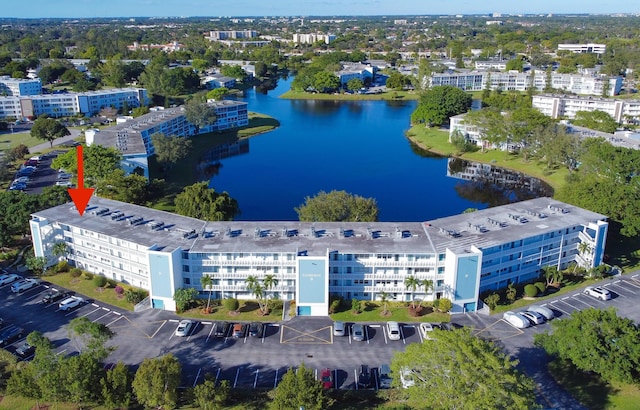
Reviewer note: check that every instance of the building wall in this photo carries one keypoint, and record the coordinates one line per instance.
(565, 106)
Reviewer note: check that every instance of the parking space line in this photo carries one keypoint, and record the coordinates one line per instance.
(34, 296)
(154, 333)
(355, 376)
(114, 321)
(255, 381)
(209, 335)
(275, 380)
(235, 382)
(218, 374)
(631, 282)
(366, 333)
(620, 285)
(106, 314)
(94, 310)
(618, 289)
(566, 313)
(402, 335)
(592, 299)
(197, 376)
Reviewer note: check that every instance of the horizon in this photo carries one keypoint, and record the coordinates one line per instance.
(81, 9)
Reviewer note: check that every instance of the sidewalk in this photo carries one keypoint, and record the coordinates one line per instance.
(46, 145)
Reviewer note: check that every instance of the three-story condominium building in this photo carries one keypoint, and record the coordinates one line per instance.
(463, 255)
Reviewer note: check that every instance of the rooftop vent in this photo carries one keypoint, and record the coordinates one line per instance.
(156, 225)
(134, 220)
(116, 215)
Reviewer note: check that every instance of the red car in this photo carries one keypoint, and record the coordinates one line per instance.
(327, 378)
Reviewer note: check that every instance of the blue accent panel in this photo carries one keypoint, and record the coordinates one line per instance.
(36, 239)
(600, 239)
(470, 307)
(160, 269)
(157, 304)
(304, 310)
(466, 277)
(313, 281)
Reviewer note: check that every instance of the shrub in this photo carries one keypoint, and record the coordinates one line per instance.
(99, 281)
(231, 304)
(335, 305)
(355, 305)
(62, 266)
(492, 300)
(119, 290)
(135, 296)
(444, 305)
(541, 286)
(18, 152)
(87, 275)
(75, 272)
(111, 283)
(531, 290)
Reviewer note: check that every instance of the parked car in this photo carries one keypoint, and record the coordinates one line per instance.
(449, 326)
(24, 180)
(10, 335)
(25, 350)
(70, 303)
(384, 376)
(55, 295)
(544, 311)
(357, 332)
(364, 377)
(238, 330)
(516, 320)
(425, 330)
(64, 175)
(222, 329)
(326, 377)
(9, 278)
(393, 329)
(338, 328)
(64, 183)
(407, 377)
(597, 292)
(534, 317)
(18, 186)
(23, 285)
(256, 329)
(185, 327)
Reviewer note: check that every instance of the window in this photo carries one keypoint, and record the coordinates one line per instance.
(185, 268)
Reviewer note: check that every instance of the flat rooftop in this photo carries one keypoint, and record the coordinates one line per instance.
(166, 231)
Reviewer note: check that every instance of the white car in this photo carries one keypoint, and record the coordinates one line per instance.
(338, 328)
(393, 329)
(544, 311)
(185, 327)
(23, 285)
(516, 320)
(597, 292)
(64, 183)
(425, 330)
(9, 278)
(64, 175)
(70, 303)
(22, 179)
(534, 317)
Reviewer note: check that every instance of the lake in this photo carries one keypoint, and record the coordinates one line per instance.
(358, 147)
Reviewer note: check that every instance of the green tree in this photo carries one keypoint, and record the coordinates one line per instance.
(412, 284)
(91, 336)
(80, 375)
(596, 120)
(169, 150)
(511, 292)
(299, 389)
(133, 188)
(384, 299)
(257, 289)
(36, 264)
(60, 249)
(515, 64)
(598, 341)
(458, 370)
(48, 129)
(337, 206)
(354, 84)
(396, 81)
(218, 94)
(492, 300)
(211, 396)
(206, 282)
(326, 82)
(116, 386)
(439, 103)
(269, 282)
(156, 382)
(100, 163)
(199, 114)
(184, 298)
(200, 201)
(112, 72)
(427, 284)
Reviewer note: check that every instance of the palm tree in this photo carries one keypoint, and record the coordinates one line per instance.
(59, 249)
(412, 284)
(269, 282)
(428, 286)
(255, 287)
(384, 297)
(206, 281)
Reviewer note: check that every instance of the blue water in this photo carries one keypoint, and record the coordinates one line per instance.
(358, 147)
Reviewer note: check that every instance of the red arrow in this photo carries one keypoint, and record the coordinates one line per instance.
(80, 195)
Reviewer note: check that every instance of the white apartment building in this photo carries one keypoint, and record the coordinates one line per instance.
(68, 104)
(583, 48)
(474, 135)
(463, 255)
(217, 35)
(491, 65)
(566, 106)
(349, 71)
(516, 81)
(300, 38)
(132, 137)
(20, 87)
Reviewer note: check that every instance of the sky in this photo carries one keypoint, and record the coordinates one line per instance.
(226, 8)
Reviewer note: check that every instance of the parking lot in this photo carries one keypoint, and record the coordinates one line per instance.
(43, 175)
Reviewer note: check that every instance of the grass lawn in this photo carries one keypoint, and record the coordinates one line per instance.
(87, 288)
(9, 140)
(437, 141)
(389, 95)
(373, 313)
(248, 312)
(593, 392)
